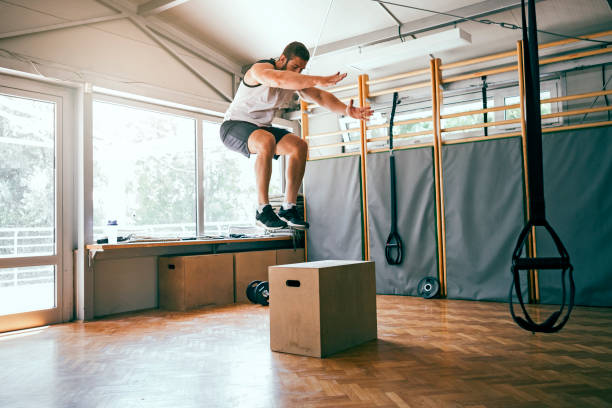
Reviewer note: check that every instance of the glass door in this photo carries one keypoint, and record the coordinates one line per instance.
(30, 184)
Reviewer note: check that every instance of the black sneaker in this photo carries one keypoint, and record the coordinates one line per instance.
(268, 219)
(292, 217)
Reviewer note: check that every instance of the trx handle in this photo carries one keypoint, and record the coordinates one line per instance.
(537, 212)
(562, 262)
(394, 251)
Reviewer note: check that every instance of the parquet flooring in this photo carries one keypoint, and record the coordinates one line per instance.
(430, 353)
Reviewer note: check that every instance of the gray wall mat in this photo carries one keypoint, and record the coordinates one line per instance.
(577, 182)
(332, 189)
(483, 200)
(416, 219)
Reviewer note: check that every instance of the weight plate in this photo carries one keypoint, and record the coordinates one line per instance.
(428, 287)
(262, 293)
(250, 290)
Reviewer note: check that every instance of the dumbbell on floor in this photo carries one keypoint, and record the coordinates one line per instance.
(258, 292)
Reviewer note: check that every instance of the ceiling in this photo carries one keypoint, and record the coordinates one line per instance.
(247, 30)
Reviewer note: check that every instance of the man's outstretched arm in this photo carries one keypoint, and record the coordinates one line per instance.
(264, 73)
(329, 101)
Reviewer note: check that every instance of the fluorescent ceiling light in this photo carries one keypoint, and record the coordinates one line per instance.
(382, 55)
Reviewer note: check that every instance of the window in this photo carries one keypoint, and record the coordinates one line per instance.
(230, 195)
(516, 113)
(144, 171)
(29, 239)
(465, 106)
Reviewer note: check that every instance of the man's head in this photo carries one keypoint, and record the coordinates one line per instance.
(294, 58)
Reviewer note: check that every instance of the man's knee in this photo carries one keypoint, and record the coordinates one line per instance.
(262, 142)
(299, 148)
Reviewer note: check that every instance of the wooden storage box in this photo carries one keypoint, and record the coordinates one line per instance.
(320, 308)
(251, 266)
(186, 282)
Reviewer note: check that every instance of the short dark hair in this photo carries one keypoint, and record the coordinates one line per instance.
(296, 49)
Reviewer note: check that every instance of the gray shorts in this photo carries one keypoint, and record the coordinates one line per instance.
(235, 135)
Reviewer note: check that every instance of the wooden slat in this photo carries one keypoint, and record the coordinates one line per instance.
(573, 127)
(345, 100)
(343, 88)
(400, 89)
(335, 132)
(576, 96)
(412, 146)
(403, 122)
(304, 125)
(398, 76)
(479, 74)
(481, 138)
(402, 135)
(339, 144)
(478, 111)
(572, 40)
(438, 181)
(576, 112)
(478, 60)
(575, 55)
(363, 95)
(481, 125)
(333, 156)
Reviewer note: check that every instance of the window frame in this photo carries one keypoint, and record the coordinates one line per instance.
(64, 98)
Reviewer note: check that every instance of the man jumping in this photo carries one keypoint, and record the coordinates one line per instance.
(266, 87)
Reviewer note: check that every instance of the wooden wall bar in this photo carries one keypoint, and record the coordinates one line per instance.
(435, 81)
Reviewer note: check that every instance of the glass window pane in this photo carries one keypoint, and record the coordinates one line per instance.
(27, 289)
(144, 171)
(516, 113)
(27, 177)
(230, 196)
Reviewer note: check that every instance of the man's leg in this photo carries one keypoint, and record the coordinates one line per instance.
(263, 143)
(296, 151)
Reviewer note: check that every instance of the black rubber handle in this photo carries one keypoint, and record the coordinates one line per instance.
(394, 251)
(541, 263)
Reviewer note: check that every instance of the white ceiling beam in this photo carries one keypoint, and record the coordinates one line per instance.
(140, 22)
(157, 6)
(179, 38)
(188, 43)
(433, 22)
(61, 26)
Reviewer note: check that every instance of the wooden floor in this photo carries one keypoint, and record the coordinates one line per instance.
(430, 353)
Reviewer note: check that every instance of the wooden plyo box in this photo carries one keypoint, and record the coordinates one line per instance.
(186, 282)
(320, 308)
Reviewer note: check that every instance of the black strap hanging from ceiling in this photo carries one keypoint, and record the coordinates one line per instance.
(535, 173)
(484, 103)
(393, 247)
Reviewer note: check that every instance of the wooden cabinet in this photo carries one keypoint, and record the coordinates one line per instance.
(186, 282)
(289, 256)
(250, 266)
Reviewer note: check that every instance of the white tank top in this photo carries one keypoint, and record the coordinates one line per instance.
(258, 104)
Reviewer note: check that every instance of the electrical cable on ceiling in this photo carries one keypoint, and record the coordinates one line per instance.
(314, 51)
(509, 26)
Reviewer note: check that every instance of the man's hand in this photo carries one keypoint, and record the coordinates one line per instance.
(330, 80)
(358, 113)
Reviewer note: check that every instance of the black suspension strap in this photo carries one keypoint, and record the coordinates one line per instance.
(535, 173)
(484, 103)
(393, 247)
